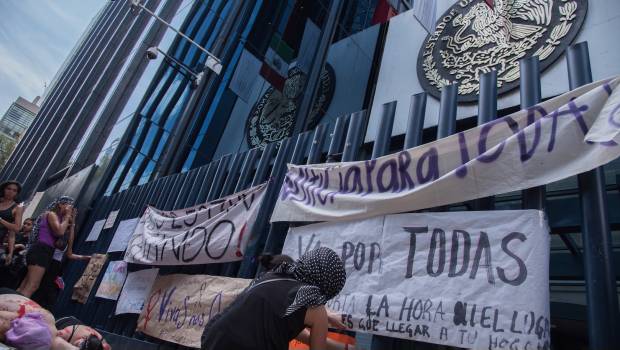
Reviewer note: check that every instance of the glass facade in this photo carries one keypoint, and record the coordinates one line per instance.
(284, 30)
(155, 104)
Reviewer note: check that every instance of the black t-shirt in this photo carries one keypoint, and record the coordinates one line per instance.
(21, 239)
(255, 320)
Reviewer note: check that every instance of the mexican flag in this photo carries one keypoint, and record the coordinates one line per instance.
(277, 59)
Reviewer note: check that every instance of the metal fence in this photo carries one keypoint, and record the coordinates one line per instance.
(344, 142)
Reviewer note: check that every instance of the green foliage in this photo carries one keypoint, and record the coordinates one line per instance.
(7, 145)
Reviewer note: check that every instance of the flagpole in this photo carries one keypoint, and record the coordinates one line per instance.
(215, 64)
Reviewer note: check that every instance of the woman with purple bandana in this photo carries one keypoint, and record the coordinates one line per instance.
(48, 234)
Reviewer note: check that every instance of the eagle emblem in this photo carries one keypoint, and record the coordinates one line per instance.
(473, 38)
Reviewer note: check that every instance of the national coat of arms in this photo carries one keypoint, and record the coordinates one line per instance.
(273, 117)
(472, 38)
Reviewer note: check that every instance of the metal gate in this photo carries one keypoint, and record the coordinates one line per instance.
(343, 142)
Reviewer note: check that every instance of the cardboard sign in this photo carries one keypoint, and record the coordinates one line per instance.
(556, 139)
(112, 281)
(109, 222)
(95, 231)
(213, 232)
(463, 279)
(84, 285)
(135, 291)
(122, 235)
(179, 306)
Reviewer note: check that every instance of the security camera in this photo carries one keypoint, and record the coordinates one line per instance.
(151, 53)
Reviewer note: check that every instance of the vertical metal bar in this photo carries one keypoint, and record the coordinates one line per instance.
(533, 198)
(316, 147)
(602, 298)
(381, 148)
(218, 178)
(336, 138)
(354, 137)
(384, 132)
(263, 164)
(300, 147)
(446, 127)
(205, 184)
(232, 178)
(320, 57)
(176, 182)
(136, 204)
(258, 238)
(246, 169)
(415, 123)
(278, 230)
(446, 124)
(185, 190)
(163, 191)
(195, 189)
(487, 111)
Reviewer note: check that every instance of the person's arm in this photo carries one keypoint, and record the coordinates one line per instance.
(316, 319)
(70, 255)
(11, 248)
(60, 344)
(304, 337)
(58, 228)
(17, 225)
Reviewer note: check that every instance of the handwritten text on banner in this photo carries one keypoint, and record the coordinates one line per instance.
(179, 306)
(464, 279)
(213, 232)
(561, 137)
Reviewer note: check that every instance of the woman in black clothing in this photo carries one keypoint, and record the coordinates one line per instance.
(10, 216)
(17, 270)
(280, 305)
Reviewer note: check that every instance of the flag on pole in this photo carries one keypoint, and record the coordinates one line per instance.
(276, 62)
(425, 11)
(383, 12)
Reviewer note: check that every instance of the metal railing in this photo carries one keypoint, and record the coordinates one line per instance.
(239, 171)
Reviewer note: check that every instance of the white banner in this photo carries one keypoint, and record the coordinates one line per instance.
(561, 137)
(213, 232)
(466, 279)
(135, 291)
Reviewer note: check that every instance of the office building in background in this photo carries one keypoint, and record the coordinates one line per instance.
(18, 117)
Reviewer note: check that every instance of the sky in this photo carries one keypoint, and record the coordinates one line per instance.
(35, 38)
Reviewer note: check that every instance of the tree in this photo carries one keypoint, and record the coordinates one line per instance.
(7, 145)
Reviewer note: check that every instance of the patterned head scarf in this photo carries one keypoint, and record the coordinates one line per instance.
(34, 235)
(322, 273)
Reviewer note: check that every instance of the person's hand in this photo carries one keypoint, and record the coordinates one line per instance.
(335, 320)
(66, 210)
(7, 259)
